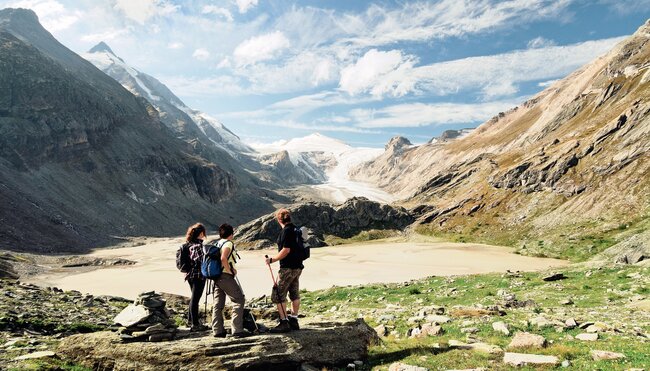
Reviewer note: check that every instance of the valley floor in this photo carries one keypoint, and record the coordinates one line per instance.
(343, 265)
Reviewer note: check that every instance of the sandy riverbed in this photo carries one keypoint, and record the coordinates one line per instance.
(339, 265)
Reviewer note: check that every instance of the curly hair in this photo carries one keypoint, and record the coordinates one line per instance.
(194, 231)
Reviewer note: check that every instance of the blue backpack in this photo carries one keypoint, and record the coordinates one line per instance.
(211, 267)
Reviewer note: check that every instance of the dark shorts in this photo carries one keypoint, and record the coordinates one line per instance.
(288, 281)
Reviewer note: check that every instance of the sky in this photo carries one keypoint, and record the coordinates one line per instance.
(359, 71)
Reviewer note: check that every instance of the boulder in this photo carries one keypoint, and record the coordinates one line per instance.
(554, 277)
(587, 337)
(132, 315)
(317, 344)
(501, 327)
(631, 250)
(381, 330)
(431, 330)
(527, 340)
(36, 355)
(397, 366)
(438, 319)
(603, 355)
(521, 359)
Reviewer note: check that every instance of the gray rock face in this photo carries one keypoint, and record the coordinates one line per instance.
(527, 340)
(131, 315)
(320, 219)
(316, 344)
(603, 355)
(67, 126)
(521, 359)
(630, 251)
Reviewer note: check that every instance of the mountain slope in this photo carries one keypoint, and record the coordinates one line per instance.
(567, 169)
(82, 159)
(173, 112)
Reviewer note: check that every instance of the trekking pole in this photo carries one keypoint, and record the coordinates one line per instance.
(275, 284)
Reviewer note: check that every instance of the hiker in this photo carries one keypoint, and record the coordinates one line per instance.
(194, 238)
(290, 258)
(227, 284)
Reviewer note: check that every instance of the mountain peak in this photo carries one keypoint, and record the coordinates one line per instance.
(101, 47)
(397, 143)
(18, 15)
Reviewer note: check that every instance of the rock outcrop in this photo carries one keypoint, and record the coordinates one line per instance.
(632, 250)
(146, 319)
(320, 219)
(316, 344)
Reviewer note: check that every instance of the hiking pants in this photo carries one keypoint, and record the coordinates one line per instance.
(227, 285)
(196, 285)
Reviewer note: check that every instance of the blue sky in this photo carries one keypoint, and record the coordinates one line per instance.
(355, 70)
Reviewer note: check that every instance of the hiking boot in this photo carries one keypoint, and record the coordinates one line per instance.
(219, 334)
(197, 328)
(293, 323)
(282, 327)
(243, 334)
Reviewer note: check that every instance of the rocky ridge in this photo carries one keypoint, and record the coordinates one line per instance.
(320, 219)
(576, 152)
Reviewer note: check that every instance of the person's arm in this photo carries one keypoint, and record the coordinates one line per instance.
(281, 255)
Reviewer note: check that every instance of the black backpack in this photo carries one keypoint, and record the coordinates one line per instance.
(183, 261)
(302, 247)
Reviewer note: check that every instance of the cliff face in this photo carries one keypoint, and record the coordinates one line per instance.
(573, 160)
(82, 159)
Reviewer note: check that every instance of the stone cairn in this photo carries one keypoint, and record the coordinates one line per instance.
(147, 319)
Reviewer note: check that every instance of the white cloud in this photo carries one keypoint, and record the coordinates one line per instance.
(142, 10)
(421, 114)
(246, 5)
(422, 21)
(175, 45)
(201, 54)
(108, 35)
(213, 9)
(202, 87)
(540, 42)
(291, 124)
(625, 7)
(499, 74)
(379, 73)
(51, 13)
(299, 72)
(225, 63)
(260, 48)
(546, 84)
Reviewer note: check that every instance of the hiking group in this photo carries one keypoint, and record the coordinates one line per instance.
(213, 265)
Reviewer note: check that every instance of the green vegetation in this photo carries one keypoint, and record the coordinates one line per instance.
(49, 364)
(575, 242)
(393, 305)
(364, 236)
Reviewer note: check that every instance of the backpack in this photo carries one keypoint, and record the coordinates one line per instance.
(211, 267)
(302, 247)
(183, 260)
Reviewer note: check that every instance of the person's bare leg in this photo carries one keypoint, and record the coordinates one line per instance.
(295, 307)
(282, 309)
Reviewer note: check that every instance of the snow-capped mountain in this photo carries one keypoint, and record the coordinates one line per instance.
(326, 161)
(173, 112)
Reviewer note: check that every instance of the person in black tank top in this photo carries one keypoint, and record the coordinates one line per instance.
(290, 258)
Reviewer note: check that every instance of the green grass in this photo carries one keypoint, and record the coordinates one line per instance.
(589, 292)
(364, 236)
(574, 242)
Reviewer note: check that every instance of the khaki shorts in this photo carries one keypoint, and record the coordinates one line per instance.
(288, 281)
